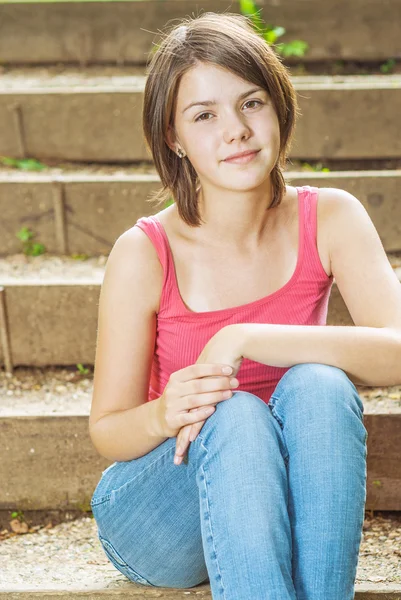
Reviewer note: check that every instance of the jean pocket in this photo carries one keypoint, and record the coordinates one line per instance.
(120, 564)
(95, 500)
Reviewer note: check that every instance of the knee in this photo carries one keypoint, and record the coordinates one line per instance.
(242, 411)
(318, 385)
(242, 405)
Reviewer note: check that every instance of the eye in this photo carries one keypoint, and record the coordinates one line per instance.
(257, 101)
(208, 113)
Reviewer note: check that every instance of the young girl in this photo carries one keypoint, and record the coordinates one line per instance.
(236, 273)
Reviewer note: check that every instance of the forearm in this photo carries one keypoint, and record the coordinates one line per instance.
(368, 355)
(128, 434)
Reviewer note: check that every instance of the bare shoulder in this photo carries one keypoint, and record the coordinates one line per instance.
(138, 253)
(324, 207)
(331, 201)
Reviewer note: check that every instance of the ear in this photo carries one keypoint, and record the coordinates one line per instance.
(171, 139)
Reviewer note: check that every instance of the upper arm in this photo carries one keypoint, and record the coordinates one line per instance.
(364, 276)
(126, 329)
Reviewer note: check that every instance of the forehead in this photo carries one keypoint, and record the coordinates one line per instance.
(209, 78)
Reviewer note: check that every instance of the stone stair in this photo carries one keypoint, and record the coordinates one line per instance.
(70, 96)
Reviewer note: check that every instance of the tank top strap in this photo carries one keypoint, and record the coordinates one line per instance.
(150, 226)
(312, 262)
(155, 231)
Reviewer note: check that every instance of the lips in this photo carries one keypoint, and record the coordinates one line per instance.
(240, 155)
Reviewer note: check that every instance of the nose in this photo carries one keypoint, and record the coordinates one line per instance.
(235, 127)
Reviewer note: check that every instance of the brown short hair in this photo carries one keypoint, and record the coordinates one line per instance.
(228, 40)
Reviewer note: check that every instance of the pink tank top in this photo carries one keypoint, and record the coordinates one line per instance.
(182, 334)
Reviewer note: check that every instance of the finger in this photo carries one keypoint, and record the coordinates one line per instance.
(183, 446)
(204, 370)
(196, 427)
(182, 440)
(195, 430)
(178, 443)
(177, 455)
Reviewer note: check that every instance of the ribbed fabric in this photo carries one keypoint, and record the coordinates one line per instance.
(182, 334)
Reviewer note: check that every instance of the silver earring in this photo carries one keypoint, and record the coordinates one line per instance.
(180, 153)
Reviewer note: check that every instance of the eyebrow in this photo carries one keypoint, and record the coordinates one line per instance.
(213, 102)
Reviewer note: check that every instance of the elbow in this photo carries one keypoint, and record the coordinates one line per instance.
(99, 441)
(397, 356)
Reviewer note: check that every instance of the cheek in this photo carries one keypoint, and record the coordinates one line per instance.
(205, 155)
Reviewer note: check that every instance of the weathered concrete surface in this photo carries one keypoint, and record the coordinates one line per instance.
(340, 118)
(99, 208)
(52, 324)
(123, 32)
(50, 462)
(136, 591)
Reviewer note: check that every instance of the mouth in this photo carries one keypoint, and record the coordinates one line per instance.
(244, 158)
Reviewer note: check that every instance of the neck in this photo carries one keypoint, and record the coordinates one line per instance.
(237, 221)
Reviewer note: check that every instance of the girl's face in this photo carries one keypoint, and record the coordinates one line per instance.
(238, 117)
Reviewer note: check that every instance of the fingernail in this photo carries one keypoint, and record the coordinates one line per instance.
(227, 370)
(176, 460)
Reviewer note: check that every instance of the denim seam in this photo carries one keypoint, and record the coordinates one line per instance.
(101, 500)
(281, 423)
(123, 564)
(104, 498)
(209, 515)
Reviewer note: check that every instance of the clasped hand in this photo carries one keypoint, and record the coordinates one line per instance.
(225, 348)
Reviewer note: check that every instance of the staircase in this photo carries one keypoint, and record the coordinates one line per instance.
(71, 85)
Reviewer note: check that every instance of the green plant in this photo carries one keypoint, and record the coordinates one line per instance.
(29, 247)
(17, 515)
(169, 203)
(271, 32)
(25, 164)
(82, 369)
(388, 66)
(317, 168)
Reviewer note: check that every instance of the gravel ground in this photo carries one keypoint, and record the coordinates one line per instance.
(27, 560)
(50, 268)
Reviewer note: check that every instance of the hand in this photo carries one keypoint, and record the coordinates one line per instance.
(223, 347)
(199, 386)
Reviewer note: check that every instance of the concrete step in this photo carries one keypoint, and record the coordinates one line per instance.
(49, 461)
(123, 32)
(43, 289)
(68, 562)
(95, 115)
(83, 209)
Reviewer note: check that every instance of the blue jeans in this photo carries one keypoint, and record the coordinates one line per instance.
(270, 504)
